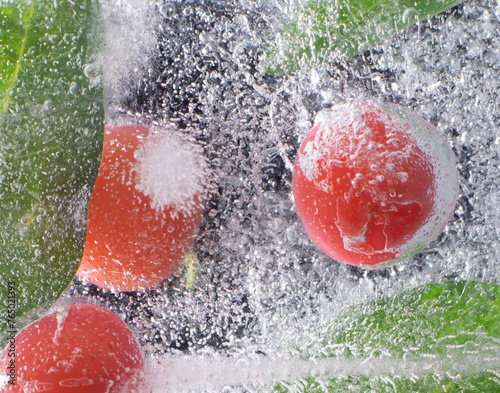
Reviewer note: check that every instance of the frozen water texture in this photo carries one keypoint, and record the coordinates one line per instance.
(262, 286)
(192, 373)
(171, 171)
(130, 41)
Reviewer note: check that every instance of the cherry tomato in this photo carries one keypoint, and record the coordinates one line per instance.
(373, 185)
(82, 348)
(144, 210)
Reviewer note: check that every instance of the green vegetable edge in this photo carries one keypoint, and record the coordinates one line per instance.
(434, 321)
(51, 131)
(322, 31)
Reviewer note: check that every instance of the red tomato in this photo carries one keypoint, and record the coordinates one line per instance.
(144, 210)
(373, 185)
(80, 349)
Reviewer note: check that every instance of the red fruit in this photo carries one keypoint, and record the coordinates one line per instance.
(79, 349)
(373, 185)
(145, 208)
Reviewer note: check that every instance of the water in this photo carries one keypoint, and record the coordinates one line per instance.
(262, 287)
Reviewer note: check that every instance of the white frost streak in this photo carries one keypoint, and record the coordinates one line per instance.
(170, 171)
(130, 43)
(60, 318)
(198, 374)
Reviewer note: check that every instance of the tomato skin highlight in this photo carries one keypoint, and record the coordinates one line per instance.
(373, 185)
(83, 348)
(131, 244)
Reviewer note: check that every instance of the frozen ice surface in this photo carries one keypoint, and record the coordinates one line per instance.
(262, 286)
(170, 171)
(129, 44)
(192, 373)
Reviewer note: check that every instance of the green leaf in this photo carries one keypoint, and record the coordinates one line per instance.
(191, 265)
(335, 30)
(51, 131)
(434, 324)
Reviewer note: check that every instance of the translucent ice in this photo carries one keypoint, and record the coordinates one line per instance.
(130, 41)
(262, 286)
